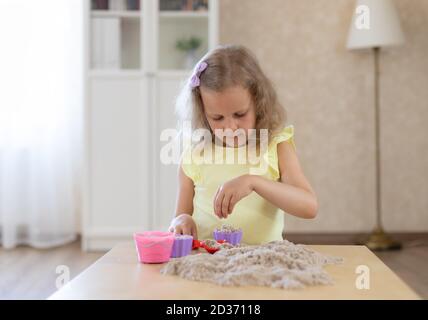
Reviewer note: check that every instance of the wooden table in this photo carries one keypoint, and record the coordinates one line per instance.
(118, 275)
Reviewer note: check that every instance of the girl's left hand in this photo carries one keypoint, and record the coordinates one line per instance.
(229, 193)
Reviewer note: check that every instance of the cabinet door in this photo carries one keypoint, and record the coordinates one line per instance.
(118, 162)
(165, 196)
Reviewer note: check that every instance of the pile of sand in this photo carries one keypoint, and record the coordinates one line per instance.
(278, 264)
(214, 244)
(227, 229)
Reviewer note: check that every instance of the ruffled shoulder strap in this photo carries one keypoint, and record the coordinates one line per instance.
(285, 134)
(271, 156)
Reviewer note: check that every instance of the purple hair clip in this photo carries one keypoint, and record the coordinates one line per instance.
(194, 80)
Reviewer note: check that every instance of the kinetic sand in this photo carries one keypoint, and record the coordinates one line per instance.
(278, 264)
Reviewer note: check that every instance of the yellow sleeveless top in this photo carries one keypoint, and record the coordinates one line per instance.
(260, 221)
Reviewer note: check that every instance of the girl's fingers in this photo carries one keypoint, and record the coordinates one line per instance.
(215, 199)
(225, 205)
(171, 229)
(186, 230)
(232, 204)
(178, 230)
(218, 203)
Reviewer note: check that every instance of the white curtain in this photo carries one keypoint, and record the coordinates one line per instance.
(41, 110)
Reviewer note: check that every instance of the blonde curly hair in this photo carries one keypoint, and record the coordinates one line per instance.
(231, 65)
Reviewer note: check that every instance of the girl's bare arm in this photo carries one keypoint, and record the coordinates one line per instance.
(183, 222)
(293, 193)
(185, 193)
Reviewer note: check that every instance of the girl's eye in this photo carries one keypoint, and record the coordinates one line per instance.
(217, 119)
(240, 115)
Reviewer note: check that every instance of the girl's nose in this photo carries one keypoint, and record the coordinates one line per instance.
(231, 124)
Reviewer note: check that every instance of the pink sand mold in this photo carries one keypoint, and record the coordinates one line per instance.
(182, 246)
(233, 238)
(154, 246)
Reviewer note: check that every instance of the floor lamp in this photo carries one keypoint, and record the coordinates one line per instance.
(375, 24)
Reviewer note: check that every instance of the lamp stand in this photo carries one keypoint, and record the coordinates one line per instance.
(378, 239)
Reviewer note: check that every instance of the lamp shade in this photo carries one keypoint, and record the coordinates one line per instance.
(381, 28)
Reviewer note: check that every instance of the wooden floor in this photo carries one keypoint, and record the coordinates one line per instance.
(27, 273)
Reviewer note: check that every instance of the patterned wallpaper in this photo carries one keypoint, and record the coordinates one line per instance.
(328, 93)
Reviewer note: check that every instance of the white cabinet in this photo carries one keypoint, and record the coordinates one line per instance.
(117, 164)
(166, 186)
(127, 188)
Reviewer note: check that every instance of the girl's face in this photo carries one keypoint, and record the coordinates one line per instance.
(231, 109)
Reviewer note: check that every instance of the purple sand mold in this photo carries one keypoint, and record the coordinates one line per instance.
(182, 246)
(233, 238)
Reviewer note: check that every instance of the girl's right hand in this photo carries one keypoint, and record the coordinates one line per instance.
(184, 224)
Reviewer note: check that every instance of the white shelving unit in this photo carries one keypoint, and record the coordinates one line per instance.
(128, 14)
(127, 189)
(178, 14)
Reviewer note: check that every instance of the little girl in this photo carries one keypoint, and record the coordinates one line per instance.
(229, 91)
